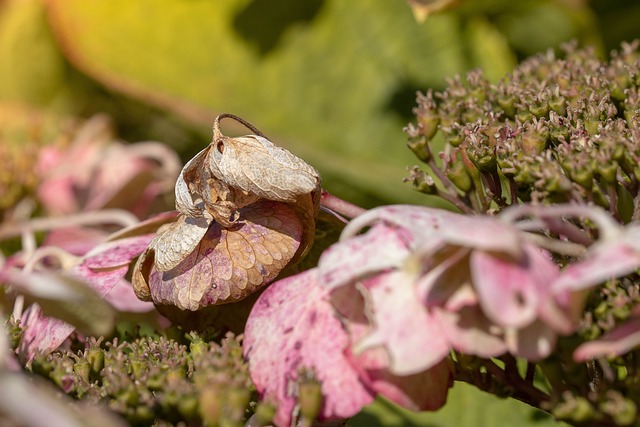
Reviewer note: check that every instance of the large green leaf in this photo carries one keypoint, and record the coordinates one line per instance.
(332, 84)
(334, 81)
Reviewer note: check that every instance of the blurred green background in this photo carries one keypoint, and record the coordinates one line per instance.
(334, 81)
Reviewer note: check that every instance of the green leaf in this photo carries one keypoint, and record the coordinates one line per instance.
(332, 81)
(32, 68)
(466, 407)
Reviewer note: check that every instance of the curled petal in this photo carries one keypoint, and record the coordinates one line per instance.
(255, 165)
(173, 244)
(420, 222)
(533, 342)
(288, 330)
(422, 391)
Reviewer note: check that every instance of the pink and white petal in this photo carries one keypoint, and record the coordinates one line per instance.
(618, 341)
(292, 327)
(510, 291)
(604, 262)
(401, 324)
(381, 248)
(422, 391)
(469, 331)
(420, 222)
(533, 342)
(563, 311)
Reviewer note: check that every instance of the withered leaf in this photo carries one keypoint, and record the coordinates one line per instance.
(227, 264)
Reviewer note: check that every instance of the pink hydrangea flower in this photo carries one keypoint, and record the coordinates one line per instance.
(384, 309)
(432, 281)
(96, 171)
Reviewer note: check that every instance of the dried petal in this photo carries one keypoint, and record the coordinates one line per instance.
(177, 241)
(255, 165)
(229, 264)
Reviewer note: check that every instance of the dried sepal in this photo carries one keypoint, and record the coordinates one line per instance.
(233, 172)
(229, 264)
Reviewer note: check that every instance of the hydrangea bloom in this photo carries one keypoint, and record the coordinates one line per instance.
(396, 300)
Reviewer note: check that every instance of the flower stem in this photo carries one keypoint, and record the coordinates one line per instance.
(339, 206)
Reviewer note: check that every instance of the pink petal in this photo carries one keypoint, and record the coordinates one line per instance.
(292, 326)
(533, 342)
(510, 291)
(469, 331)
(117, 253)
(75, 240)
(122, 298)
(402, 324)
(420, 222)
(481, 233)
(41, 334)
(618, 341)
(604, 262)
(381, 248)
(422, 391)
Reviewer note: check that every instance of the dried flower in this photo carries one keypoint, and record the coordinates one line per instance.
(247, 210)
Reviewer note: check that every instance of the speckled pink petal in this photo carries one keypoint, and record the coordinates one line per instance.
(511, 291)
(41, 334)
(381, 248)
(230, 264)
(401, 324)
(116, 253)
(292, 327)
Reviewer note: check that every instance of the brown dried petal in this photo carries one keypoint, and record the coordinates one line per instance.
(229, 264)
(177, 241)
(255, 165)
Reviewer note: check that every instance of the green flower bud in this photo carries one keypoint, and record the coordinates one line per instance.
(458, 174)
(210, 404)
(310, 398)
(82, 369)
(420, 148)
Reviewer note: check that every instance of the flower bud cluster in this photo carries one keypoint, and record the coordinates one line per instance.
(562, 127)
(159, 380)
